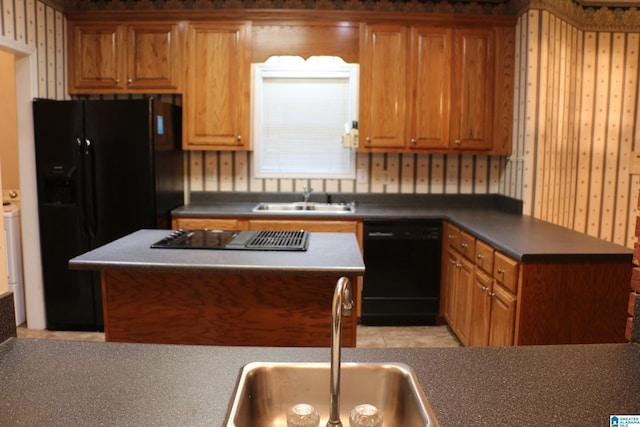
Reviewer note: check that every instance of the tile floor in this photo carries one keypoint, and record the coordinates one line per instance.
(368, 336)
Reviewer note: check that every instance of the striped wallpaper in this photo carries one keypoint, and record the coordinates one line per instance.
(575, 127)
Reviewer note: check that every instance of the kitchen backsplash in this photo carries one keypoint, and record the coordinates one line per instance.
(391, 173)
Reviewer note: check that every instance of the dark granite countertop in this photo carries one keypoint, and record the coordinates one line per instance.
(62, 383)
(327, 253)
(494, 219)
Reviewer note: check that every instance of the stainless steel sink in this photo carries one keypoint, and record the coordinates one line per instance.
(266, 391)
(302, 207)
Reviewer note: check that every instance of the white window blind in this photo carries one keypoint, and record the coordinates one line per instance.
(300, 110)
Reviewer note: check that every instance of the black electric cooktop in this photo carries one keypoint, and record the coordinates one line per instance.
(258, 240)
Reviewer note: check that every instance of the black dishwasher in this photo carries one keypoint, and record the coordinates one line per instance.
(401, 283)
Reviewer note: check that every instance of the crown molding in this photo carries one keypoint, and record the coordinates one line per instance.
(587, 15)
(590, 15)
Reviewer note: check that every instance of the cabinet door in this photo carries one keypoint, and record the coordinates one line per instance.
(450, 288)
(480, 310)
(472, 113)
(430, 69)
(96, 59)
(463, 295)
(152, 56)
(383, 77)
(503, 317)
(216, 99)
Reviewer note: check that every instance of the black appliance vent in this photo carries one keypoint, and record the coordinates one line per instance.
(279, 239)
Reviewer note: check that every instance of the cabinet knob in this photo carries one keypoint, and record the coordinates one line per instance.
(453, 262)
(500, 271)
(457, 142)
(450, 236)
(464, 245)
(458, 265)
(480, 256)
(491, 294)
(368, 140)
(239, 138)
(413, 141)
(129, 81)
(117, 81)
(484, 289)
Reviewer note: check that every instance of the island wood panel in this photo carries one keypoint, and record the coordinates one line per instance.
(570, 303)
(221, 309)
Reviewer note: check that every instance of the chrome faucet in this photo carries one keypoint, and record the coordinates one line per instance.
(342, 305)
(306, 193)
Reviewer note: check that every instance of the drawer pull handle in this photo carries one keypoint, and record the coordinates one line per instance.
(480, 256)
(500, 271)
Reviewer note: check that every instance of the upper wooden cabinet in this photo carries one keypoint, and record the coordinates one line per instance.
(472, 104)
(383, 86)
(112, 57)
(436, 89)
(216, 98)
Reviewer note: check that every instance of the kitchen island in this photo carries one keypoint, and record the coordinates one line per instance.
(223, 297)
(46, 382)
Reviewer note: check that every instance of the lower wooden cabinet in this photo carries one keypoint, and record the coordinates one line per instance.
(477, 282)
(502, 317)
(493, 313)
(555, 300)
(480, 310)
(458, 298)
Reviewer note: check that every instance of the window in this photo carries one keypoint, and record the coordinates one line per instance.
(300, 111)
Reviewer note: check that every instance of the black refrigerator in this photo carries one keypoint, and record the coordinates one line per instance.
(104, 169)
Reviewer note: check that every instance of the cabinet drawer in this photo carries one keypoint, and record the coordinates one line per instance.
(208, 224)
(453, 236)
(467, 245)
(505, 271)
(484, 257)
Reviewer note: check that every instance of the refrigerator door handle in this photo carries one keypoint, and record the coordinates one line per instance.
(90, 211)
(82, 202)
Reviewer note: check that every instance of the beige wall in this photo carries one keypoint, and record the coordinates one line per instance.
(8, 122)
(576, 125)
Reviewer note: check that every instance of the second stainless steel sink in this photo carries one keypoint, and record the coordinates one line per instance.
(266, 391)
(308, 207)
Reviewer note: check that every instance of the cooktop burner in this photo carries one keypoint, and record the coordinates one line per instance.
(265, 240)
